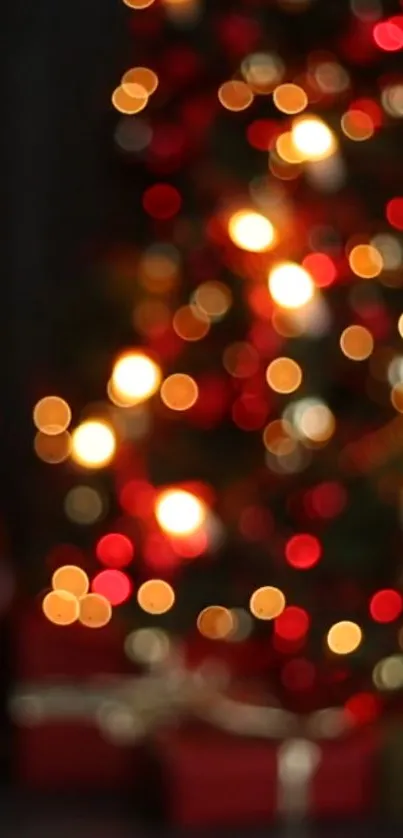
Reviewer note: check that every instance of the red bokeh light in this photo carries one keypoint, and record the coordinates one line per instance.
(114, 550)
(249, 412)
(388, 35)
(190, 546)
(321, 267)
(261, 132)
(327, 500)
(137, 498)
(369, 107)
(114, 585)
(292, 624)
(298, 675)
(162, 201)
(363, 707)
(394, 212)
(386, 606)
(303, 551)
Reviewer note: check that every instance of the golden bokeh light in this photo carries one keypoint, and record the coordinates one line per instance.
(215, 622)
(290, 98)
(83, 505)
(179, 512)
(71, 579)
(286, 149)
(52, 449)
(61, 608)
(213, 299)
(179, 391)
(143, 76)
(155, 596)
(284, 375)
(95, 611)
(267, 603)
(52, 415)
(344, 638)
(400, 325)
(313, 139)
(262, 71)
(316, 422)
(130, 99)
(357, 125)
(357, 343)
(138, 4)
(93, 444)
(290, 285)
(251, 231)
(190, 323)
(396, 397)
(278, 438)
(135, 378)
(235, 95)
(365, 261)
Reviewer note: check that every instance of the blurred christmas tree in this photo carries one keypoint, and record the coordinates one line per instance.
(239, 349)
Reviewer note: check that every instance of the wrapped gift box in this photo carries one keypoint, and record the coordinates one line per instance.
(73, 757)
(42, 650)
(210, 778)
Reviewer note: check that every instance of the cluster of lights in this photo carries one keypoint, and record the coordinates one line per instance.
(135, 89)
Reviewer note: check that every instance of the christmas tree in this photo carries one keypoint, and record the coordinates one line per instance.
(233, 465)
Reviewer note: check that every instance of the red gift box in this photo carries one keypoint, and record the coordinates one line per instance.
(73, 757)
(42, 650)
(213, 779)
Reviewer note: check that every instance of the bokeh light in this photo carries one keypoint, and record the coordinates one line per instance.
(179, 391)
(357, 125)
(130, 99)
(162, 201)
(241, 359)
(149, 646)
(52, 449)
(235, 95)
(83, 505)
(262, 71)
(142, 76)
(138, 4)
(114, 585)
(321, 267)
(388, 673)
(93, 444)
(251, 231)
(95, 611)
(70, 579)
(215, 622)
(155, 596)
(190, 323)
(135, 377)
(311, 419)
(303, 551)
(179, 512)
(213, 299)
(114, 550)
(290, 285)
(267, 603)
(388, 36)
(284, 375)
(61, 608)
(52, 415)
(394, 212)
(386, 606)
(313, 139)
(344, 637)
(293, 624)
(278, 438)
(290, 98)
(357, 343)
(365, 261)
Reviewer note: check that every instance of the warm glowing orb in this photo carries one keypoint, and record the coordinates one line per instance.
(290, 285)
(251, 231)
(135, 377)
(344, 638)
(179, 512)
(93, 444)
(313, 139)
